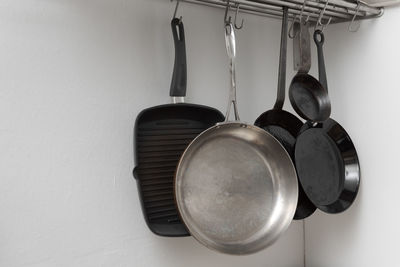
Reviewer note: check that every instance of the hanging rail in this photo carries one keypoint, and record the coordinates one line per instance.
(335, 10)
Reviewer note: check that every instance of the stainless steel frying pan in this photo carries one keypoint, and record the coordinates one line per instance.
(235, 185)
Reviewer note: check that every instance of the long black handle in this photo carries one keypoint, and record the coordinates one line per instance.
(280, 97)
(321, 62)
(179, 76)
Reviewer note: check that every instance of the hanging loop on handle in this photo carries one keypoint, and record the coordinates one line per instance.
(230, 42)
(319, 40)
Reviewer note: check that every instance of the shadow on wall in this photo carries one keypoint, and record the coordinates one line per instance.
(341, 50)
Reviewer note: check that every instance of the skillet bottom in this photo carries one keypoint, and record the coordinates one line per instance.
(319, 166)
(328, 166)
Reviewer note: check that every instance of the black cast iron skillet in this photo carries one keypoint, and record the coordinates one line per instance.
(326, 159)
(309, 98)
(162, 133)
(285, 126)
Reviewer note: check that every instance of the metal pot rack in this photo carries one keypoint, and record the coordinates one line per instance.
(318, 12)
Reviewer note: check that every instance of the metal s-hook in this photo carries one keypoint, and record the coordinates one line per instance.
(321, 15)
(226, 19)
(236, 14)
(351, 29)
(176, 10)
(308, 16)
(294, 35)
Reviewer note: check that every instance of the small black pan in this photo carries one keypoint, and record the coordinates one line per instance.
(309, 98)
(162, 134)
(326, 159)
(285, 126)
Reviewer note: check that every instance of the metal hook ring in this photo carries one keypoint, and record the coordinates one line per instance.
(320, 35)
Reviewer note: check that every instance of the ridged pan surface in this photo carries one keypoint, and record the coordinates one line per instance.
(162, 134)
(236, 188)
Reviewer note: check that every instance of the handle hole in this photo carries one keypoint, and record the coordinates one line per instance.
(178, 32)
(319, 37)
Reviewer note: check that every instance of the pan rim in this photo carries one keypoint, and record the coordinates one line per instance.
(285, 220)
(318, 93)
(349, 157)
(293, 125)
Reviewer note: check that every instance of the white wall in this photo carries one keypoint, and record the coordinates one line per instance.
(73, 76)
(363, 73)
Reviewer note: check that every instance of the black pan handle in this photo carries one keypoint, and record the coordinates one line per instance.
(280, 97)
(179, 76)
(319, 40)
